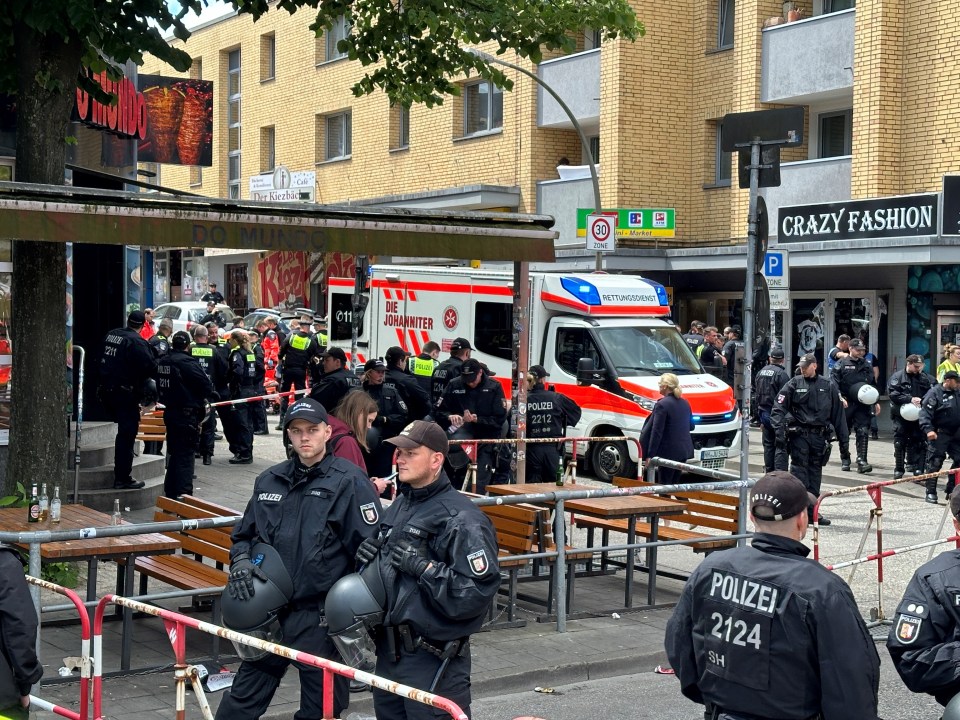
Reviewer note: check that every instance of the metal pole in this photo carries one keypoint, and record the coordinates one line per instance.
(594, 177)
(358, 283)
(521, 352)
(749, 323)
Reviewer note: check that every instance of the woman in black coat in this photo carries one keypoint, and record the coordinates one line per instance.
(666, 433)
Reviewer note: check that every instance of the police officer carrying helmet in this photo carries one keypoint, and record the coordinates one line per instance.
(940, 422)
(315, 510)
(769, 381)
(449, 369)
(549, 414)
(126, 365)
(184, 389)
(765, 632)
(906, 390)
(850, 374)
(411, 391)
(805, 415)
(437, 554)
(924, 641)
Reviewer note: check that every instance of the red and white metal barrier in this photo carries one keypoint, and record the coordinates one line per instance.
(290, 394)
(875, 492)
(176, 625)
(85, 661)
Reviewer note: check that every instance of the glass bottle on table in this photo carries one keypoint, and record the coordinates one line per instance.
(560, 471)
(117, 517)
(44, 503)
(33, 507)
(55, 505)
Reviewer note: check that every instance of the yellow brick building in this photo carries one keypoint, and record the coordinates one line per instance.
(880, 108)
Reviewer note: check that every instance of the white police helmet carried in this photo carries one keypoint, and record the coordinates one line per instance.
(952, 710)
(865, 393)
(909, 412)
(354, 605)
(257, 615)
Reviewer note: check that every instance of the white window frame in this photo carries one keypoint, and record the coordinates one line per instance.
(723, 161)
(340, 31)
(847, 115)
(345, 119)
(487, 113)
(725, 23)
(233, 156)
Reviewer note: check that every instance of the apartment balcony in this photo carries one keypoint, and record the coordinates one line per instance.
(809, 61)
(561, 198)
(575, 78)
(808, 182)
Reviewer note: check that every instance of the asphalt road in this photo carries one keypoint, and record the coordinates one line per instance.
(657, 697)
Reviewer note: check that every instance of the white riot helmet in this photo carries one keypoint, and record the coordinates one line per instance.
(909, 412)
(952, 710)
(866, 393)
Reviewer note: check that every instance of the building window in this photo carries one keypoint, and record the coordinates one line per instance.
(836, 133)
(339, 31)
(722, 160)
(268, 57)
(268, 142)
(725, 26)
(399, 127)
(233, 124)
(591, 39)
(832, 6)
(594, 141)
(337, 141)
(482, 108)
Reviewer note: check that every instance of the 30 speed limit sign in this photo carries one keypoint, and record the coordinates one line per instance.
(601, 232)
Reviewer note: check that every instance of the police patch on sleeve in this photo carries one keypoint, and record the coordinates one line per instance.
(478, 562)
(369, 513)
(780, 398)
(908, 627)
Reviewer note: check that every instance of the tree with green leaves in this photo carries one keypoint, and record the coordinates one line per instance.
(411, 49)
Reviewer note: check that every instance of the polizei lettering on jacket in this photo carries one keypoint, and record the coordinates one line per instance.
(744, 592)
(545, 405)
(269, 497)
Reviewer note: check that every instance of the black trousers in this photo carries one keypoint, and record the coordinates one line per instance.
(207, 430)
(292, 376)
(183, 439)
(911, 438)
(806, 458)
(543, 459)
(774, 457)
(259, 412)
(257, 681)
(418, 670)
(124, 408)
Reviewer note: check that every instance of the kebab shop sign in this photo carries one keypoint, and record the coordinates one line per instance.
(126, 117)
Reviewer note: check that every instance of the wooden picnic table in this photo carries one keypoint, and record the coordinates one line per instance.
(616, 506)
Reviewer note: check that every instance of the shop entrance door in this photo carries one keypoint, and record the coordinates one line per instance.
(948, 332)
(816, 319)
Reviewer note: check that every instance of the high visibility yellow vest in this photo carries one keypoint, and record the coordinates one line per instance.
(298, 342)
(419, 366)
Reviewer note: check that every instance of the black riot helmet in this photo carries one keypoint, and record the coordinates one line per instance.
(257, 615)
(354, 605)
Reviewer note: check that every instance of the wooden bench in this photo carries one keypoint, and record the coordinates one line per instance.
(151, 432)
(702, 509)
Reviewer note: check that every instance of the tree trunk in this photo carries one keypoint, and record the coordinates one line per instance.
(47, 71)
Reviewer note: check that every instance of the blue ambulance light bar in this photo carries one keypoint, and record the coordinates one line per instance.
(581, 290)
(697, 419)
(660, 290)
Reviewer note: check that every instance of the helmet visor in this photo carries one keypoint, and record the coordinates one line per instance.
(270, 631)
(355, 646)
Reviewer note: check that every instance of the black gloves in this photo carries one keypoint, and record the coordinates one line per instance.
(406, 559)
(242, 572)
(368, 550)
(781, 436)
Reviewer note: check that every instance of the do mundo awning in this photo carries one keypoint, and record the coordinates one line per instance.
(57, 213)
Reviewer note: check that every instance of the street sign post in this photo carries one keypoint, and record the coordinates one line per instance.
(601, 232)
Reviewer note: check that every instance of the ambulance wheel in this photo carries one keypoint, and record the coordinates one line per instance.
(611, 459)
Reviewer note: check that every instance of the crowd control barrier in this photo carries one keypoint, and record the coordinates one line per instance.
(85, 660)
(176, 625)
(875, 492)
(291, 394)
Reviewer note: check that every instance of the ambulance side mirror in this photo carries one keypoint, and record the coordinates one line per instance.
(587, 373)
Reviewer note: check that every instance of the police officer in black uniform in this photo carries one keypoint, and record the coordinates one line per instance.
(212, 295)
(242, 376)
(437, 554)
(732, 355)
(449, 369)
(337, 380)
(213, 315)
(127, 363)
(214, 364)
(924, 640)
(940, 422)
(762, 632)
(391, 415)
(184, 390)
(423, 365)
(160, 343)
(21, 668)
(805, 415)
(770, 380)
(473, 407)
(906, 389)
(848, 374)
(315, 510)
(694, 338)
(297, 355)
(258, 411)
(549, 414)
(411, 391)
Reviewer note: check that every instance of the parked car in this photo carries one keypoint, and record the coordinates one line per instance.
(287, 319)
(184, 315)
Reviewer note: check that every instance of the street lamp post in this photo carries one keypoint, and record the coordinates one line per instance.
(594, 177)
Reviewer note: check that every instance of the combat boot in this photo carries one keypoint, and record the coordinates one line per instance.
(862, 465)
(845, 463)
(898, 453)
(931, 488)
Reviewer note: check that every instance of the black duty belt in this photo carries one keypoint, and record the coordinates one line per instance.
(719, 714)
(403, 636)
(811, 429)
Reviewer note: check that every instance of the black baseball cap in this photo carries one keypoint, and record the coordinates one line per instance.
(777, 352)
(806, 360)
(395, 353)
(307, 409)
(375, 364)
(422, 432)
(180, 340)
(470, 368)
(538, 371)
(778, 495)
(460, 344)
(856, 343)
(337, 353)
(136, 317)
(951, 375)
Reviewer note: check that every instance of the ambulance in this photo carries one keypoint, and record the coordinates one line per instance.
(620, 322)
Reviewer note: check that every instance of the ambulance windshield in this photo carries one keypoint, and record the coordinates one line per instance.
(647, 351)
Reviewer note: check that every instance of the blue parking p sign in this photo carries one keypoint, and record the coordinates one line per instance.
(773, 264)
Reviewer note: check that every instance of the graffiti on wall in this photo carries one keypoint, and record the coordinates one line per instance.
(280, 280)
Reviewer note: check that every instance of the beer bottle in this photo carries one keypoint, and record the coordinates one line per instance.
(55, 505)
(117, 518)
(44, 502)
(34, 506)
(560, 471)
